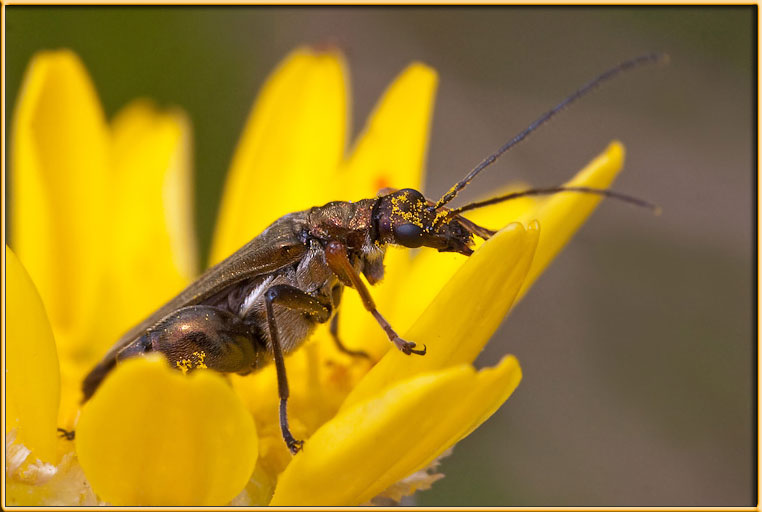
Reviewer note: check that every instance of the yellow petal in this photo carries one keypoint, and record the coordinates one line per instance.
(561, 215)
(290, 149)
(152, 436)
(377, 442)
(59, 160)
(391, 151)
(461, 319)
(31, 367)
(153, 243)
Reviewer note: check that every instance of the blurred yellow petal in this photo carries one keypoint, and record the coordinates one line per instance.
(153, 436)
(59, 158)
(31, 366)
(391, 152)
(376, 443)
(561, 215)
(153, 238)
(293, 142)
(464, 314)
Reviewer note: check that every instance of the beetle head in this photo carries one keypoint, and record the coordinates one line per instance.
(404, 217)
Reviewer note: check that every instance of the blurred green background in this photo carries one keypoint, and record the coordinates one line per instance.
(637, 344)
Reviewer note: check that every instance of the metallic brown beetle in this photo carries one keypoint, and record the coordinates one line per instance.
(265, 299)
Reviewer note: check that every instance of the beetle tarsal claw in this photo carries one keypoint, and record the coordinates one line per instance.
(295, 445)
(65, 434)
(420, 352)
(408, 348)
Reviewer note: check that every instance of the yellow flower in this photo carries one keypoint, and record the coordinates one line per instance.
(101, 221)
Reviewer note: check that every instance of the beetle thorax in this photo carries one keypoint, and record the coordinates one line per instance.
(347, 222)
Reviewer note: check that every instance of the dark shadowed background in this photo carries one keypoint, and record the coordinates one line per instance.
(637, 344)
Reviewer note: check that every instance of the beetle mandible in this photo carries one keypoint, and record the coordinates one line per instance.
(263, 301)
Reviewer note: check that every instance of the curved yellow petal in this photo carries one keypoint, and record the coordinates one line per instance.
(377, 442)
(461, 319)
(59, 162)
(293, 143)
(391, 151)
(152, 436)
(153, 243)
(31, 367)
(561, 215)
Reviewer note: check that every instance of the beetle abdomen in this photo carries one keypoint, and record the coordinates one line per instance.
(200, 337)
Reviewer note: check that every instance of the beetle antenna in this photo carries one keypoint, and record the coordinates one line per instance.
(594, 83)
(553, 190)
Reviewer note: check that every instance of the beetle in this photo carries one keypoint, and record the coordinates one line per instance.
(263, 301)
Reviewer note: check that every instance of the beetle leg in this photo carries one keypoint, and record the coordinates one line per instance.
(334, 328)
(96, 376)
(338, 261)
(292, 298)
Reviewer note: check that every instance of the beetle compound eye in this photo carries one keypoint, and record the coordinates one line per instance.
(412, 194)
(409, 235)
